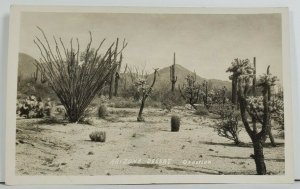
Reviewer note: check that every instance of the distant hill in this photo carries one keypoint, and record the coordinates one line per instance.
(26, 66)
(163, 79)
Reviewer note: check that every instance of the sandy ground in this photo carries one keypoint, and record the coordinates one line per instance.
(136, 148)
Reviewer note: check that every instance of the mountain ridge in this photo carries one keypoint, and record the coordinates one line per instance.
(26, 68)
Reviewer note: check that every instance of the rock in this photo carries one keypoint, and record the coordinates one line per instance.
(53, 165)
(80, 167)
(63, 163)
(210, 150)
(88, 165)
(91, 153)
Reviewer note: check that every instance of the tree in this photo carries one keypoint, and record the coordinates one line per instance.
(191, 91)
(76, 82)
(145, 91)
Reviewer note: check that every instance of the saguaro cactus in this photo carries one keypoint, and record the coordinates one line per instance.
(35, 74)
(43, 78)
(117, 75)
(270, 126)
(205, 96)
(173, 78)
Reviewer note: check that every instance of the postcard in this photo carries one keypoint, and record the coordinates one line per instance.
(132, 95)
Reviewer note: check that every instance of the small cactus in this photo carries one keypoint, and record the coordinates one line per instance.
(102, 111)
(175, 123)
(98, 136)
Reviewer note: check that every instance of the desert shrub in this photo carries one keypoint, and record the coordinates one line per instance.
(102, 111)
(153, 104)
(87, 121)
(131, 103)
(126, 104)
(120, 102)
(28, 87)
(175, 123)
(98, 136)
(228, 127)
(169, 100)
(202, 111)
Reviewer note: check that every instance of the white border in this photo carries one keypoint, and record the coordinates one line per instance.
(11, 178)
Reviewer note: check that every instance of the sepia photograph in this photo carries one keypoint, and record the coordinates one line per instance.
(137, 95)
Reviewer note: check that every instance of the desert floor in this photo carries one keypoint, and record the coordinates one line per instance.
(134, 148)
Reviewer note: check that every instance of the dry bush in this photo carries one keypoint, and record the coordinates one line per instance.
(201, 111)
(228, 127)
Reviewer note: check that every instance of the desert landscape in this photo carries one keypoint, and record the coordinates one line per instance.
(66, 149)
(150, 100)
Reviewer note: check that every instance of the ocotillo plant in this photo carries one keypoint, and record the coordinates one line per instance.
(76, 82)
(145, 92)
(173, 78)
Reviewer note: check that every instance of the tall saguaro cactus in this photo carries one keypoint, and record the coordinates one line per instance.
(173, 78)
(205, 96)
(117, 74)
(272, 140)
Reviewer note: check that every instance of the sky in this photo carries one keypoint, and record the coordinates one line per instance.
(206, 43)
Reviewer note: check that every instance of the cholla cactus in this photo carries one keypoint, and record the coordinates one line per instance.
(259, 109)
(242, 71)
(276, 106)
(191, 91)
(145, 91)
(267, 80)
